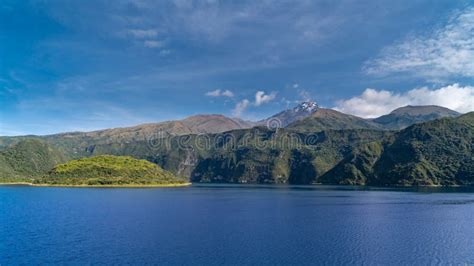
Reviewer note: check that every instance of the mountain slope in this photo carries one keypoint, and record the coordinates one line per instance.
(439, 152)
(406, 116)
(324, 119)
(257, 155)
(286, 117)
(280, 157)
(431, 153)
(6, 171)
(28, 158)
(357, 167)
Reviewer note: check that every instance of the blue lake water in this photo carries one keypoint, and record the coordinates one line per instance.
(215, 225)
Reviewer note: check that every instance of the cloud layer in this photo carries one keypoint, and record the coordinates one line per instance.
(373, 103)
(446, 51)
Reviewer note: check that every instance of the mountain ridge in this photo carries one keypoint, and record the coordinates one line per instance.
(406, 116)
(218, 123)
(323, 119)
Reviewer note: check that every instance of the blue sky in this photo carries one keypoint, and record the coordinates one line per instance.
(85, 65)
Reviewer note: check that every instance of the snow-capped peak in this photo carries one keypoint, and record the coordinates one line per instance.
(308, 107)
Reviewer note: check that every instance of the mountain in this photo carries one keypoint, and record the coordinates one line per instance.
(438, 152)
(257, 155)
(305, 117)
(284, 118)
(109, 170)
(324, 119)
(198, 124)
(325, 147)
(406, 116)
(28, 158)
(279, 156)
(75, 144)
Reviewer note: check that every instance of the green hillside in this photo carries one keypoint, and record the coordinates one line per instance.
(432, 153)
(109, 170)
(7, 174)
(439, 152)
(27, 159)
(257, 155)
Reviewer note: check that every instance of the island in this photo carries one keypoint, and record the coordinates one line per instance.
(108, 171)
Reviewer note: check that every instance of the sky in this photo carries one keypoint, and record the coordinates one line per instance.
(86, 65)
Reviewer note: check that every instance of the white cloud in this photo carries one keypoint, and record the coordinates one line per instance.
(214, 93)
(240, 107)
(153, 44)
(146, 37)
(373, 103)
(165, 52)
(227, 93)
(446, 51)
(142, 34)
(219, 93)
(261, 97)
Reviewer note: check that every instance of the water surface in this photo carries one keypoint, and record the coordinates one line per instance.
(214, 225)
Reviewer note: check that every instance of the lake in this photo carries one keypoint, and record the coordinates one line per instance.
(232, 224)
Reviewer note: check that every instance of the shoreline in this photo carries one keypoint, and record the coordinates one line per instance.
(190, 183)
(98, 186)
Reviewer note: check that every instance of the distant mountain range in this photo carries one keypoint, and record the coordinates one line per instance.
(406, 116)
(413, 145)
(307, 116)
(196, 124)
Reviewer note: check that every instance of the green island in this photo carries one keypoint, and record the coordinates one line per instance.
(105, 171)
